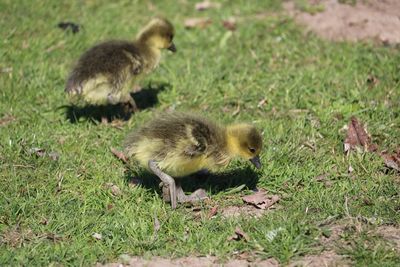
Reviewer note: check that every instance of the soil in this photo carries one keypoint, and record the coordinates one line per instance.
(235, 211)
(326, 258)
(376, 20)
(190, 261)
(391, 234)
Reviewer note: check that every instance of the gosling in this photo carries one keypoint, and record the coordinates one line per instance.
(179, 144)
(106, 73)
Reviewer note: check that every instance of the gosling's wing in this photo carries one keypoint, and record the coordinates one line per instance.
(136, 63)
(73, 86)
(194, 150)
(113, 60)
(196, 142)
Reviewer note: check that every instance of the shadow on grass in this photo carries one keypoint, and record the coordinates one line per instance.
(211, 182)
(145, 98)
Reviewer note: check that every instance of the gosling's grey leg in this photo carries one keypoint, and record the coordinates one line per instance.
(198, 195)
(165, 192)
(168, 181)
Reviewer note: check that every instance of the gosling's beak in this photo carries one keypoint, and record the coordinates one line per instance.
(256, 162)
(172, 48)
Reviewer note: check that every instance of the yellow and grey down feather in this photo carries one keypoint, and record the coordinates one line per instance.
(180, 143)
(102, 72)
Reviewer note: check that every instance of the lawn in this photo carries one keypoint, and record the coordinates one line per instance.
(299, 90)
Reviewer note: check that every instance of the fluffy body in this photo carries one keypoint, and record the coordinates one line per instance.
(107, 72)
(182, 144)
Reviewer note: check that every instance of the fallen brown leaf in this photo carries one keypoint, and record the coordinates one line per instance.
(120, 155)
(392, 160)
(262, 102)
(6, 119)
(261, 199)
(197, 23)
(213, 211)
(206, 5)
(239, 234)
(114, 189)
(357, 136)
(229, 24)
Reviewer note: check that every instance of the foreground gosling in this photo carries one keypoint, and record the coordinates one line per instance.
(179, 144)
(107, 72)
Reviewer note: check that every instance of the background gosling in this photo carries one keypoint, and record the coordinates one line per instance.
(106, 73)
(179, 144)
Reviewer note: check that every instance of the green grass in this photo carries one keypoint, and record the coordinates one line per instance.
(269, 58)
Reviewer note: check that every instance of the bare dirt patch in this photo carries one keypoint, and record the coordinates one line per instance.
(189, 261)
(390, 234)
(16, 236)
(236, 211)
(334, 232)
(377, 20)
(246, 210)
(326, 258)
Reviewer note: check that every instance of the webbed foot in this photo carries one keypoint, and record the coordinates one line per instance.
(168, 182)
(198, 195)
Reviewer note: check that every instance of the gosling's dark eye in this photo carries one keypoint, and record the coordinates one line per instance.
(252, 150)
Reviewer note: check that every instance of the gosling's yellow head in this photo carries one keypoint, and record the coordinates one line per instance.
(158, 34)
(245, 141)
